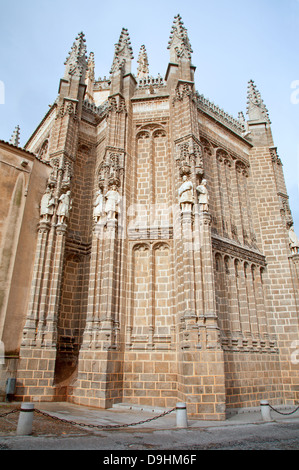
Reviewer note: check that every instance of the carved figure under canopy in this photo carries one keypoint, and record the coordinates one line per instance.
(293, 241)
(112, 202)
(186, 197)
(203, 196)
(64, 207)
(98, 205)
(47, 205)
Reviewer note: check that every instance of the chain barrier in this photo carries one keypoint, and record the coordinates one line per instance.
(285, 414)
(10, 412)
(103, 426)
(117, 426)
(95, 426)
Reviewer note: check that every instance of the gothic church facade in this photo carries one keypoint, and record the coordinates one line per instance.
(147, 245)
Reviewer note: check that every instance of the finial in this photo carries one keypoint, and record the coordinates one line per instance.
(15, 138)
(90, 67)
(123, 53)
(256, 108)
(241, 117)
(179, 43)
(142, 69)
(76, 62)
(90, 77)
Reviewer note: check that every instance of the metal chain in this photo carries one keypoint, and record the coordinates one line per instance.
(99, 426)
(9, 412)
(285, 414)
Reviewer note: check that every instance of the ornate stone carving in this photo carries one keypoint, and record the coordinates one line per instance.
(203, 196)
(186, 196)
(223, 157)
(43, 151)
(123, 54)
(68, 108)
(188, 154)
(142, 69)
(98, 206)
(242, 169)
(256, 108)
(76, 63)
(47, 205)
(116, 104)
(275, 157)
(236, 251)
(111, 168)
(293, 241)
(64, 207)
(183, 90)
(179, 43)
(113, 199)
(208, 107)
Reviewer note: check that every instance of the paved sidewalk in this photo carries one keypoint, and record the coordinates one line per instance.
(244, 430)
(125, 414)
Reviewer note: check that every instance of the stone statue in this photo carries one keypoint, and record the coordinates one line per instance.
(203, 196)
(98, 206)
(186, 197)
(293, 241)
(112, 201)
(47, 205)
(64, 207)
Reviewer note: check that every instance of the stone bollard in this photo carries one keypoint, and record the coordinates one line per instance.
(25, 419)
(181, 415)
(265, 410)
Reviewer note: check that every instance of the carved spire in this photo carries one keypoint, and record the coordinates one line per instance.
(256, 108)
(179, 43)
(90, 77)
(142, 69)
(123, 53)
(15, 138)
(76, 62)
(91, 66)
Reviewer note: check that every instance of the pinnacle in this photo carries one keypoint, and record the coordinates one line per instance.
(90, 67)
(79, 47)
(123, 53)
(90, 61)
(124, 43)
(143, 69)
(15, 138)
(256, 108)
(179, 43)
(76, 60)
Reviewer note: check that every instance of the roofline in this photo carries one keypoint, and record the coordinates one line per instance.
(20, 149)
(54, 105)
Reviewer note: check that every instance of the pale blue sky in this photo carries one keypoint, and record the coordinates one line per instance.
(233, 41)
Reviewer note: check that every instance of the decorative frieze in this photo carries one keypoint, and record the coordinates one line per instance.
(235, 250)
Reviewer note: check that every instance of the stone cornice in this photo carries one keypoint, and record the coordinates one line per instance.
(231, 248)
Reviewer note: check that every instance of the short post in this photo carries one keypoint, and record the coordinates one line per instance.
(25, 419)
(265, 410)
(181, 415)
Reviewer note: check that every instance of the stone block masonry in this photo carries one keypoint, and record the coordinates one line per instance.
(160, 266)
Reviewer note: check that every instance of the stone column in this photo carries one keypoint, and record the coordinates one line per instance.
(50, 335)
(32, 321)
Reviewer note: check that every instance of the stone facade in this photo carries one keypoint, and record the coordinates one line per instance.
(147, 258)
